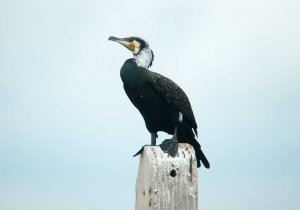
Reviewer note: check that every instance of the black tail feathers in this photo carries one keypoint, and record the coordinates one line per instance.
(199, 154)
(186, 135)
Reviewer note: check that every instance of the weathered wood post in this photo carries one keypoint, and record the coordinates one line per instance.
(166, 183)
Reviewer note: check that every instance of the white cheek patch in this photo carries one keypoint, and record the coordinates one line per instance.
(137, 47)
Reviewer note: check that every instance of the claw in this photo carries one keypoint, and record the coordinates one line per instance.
(139, 152)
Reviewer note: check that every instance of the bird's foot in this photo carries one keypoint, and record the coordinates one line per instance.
(170, 146)
(141, 150)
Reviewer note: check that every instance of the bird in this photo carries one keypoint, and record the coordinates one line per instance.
(162, 103)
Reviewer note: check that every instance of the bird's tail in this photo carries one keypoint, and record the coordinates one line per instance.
(186, 135)
(199, 154)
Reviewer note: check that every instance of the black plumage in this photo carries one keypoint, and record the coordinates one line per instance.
(162, 103)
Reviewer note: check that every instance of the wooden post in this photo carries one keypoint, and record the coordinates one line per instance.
(166, 183)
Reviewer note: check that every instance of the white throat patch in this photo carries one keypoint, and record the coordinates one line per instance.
(144, 58)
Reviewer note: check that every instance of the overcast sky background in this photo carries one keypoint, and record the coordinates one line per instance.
(68, 131)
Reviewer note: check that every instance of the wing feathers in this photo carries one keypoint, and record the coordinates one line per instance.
(174, 95)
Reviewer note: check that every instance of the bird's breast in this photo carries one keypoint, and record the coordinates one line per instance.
(134, 76)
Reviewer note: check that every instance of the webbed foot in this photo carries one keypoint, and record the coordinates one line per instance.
(170, 146)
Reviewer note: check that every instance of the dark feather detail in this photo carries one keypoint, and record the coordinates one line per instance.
(151, 60)
(174, 95)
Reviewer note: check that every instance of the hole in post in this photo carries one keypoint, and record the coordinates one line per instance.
(173, 173)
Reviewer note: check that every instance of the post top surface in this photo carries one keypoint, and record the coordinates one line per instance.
(185, 153)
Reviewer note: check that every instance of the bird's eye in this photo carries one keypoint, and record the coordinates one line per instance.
(130, 39)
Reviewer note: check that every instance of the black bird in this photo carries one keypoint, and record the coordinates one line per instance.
(162, 103)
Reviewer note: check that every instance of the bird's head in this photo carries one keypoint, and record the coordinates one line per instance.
(142, 53)
(134, 44)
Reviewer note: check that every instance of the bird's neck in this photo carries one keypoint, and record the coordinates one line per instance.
(144, 58)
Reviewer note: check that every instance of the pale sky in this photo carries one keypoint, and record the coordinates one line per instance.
(68, 130)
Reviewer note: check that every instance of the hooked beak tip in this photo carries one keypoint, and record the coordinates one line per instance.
(112, 38)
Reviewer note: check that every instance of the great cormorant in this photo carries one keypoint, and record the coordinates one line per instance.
(162, 103)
